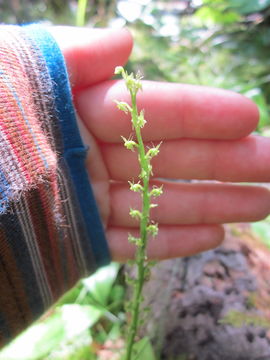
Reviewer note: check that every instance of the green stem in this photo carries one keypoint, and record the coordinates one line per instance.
(141, 255)
(81, 12)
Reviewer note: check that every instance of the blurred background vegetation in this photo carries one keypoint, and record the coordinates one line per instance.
(221, 43)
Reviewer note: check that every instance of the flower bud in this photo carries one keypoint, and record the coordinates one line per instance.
(135, 187)
(152, 229)
(136, 214)
(118, 70)
(156, 191)
(153, 151)
(129, 144)
(134, 240)
(141, 120)
(123, 106)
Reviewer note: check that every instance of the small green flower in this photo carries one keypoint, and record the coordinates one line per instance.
(143, 174)
(135, 187)
(141, 120)
(152, 229)
(134, 240)
(129, 143)
(156, 191)
(119, 70)
(154, 151)
(122, 105)
(136, 214)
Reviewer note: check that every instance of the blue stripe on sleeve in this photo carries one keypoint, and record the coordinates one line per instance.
(74, 150)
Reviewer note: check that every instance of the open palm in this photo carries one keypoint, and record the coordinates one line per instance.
(205, 134)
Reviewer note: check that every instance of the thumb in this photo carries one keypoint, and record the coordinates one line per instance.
(92, 54)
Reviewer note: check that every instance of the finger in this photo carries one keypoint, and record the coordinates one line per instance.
(92, 54)
(97, 173)
(171, 110)
(244, 160)
(171, 241)
(193, 204)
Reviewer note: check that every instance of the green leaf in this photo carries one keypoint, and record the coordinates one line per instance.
(37, 341)
(259, 98)
(143, 350)
(117, 294)
(100, 284)
(214, 15)
(71, 296)
(115, 332)
(262, 229)
(248, 6)
(65, 324)
(78, 318)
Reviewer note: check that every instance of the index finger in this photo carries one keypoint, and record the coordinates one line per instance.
(91, 55)
(171, 110)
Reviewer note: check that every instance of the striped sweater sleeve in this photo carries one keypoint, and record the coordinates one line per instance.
(50, 231)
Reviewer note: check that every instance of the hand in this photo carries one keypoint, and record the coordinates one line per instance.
(205, 134)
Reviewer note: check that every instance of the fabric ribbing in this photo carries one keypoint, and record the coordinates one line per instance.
(74, 150)
(45, 243)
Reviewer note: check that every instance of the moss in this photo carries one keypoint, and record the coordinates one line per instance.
(239, 319)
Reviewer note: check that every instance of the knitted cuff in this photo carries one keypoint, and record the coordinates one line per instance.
(51, 234)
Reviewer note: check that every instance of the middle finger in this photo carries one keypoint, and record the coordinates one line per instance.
(244, 160)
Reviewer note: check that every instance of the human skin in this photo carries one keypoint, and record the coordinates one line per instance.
(205, 134)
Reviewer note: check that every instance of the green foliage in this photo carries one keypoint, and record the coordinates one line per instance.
(99, 286)
(25, 11)
(228, 11)
(70, 328)
(262, 229)
(248, 6)
(143, 350)
(66, 324)
(81, 12)
(217, 12)
(233, 57)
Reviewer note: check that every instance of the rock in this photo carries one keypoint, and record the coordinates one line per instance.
(214, 306)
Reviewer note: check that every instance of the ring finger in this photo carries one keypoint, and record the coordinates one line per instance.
(197, 203)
